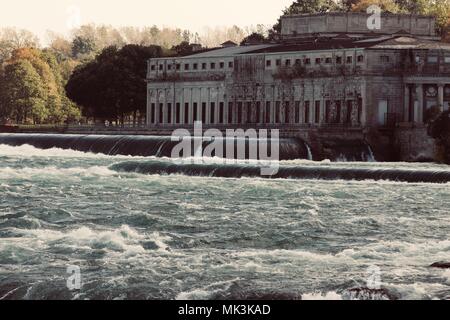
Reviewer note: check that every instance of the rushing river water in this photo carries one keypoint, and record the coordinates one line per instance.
(154, 236)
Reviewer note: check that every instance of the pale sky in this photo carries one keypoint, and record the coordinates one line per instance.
(39, 16)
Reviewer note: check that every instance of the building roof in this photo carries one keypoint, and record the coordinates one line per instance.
(411, 43)
(229, 51)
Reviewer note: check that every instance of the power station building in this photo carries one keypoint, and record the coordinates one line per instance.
(324, 70)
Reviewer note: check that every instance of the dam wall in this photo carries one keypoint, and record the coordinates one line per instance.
(404, 143)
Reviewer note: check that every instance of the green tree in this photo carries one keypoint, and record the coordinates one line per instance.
(23, 93)
(113, 84)
(82, 46)
(385, 5)
(439, 129)
(254, 38)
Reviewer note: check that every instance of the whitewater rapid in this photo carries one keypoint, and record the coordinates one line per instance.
(152, 236)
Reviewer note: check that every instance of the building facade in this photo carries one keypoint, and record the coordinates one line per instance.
(325, 70)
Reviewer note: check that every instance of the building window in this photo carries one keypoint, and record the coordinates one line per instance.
(161, 67)
(221, 112)
(204, 112)
(268, 63)
(384, 59)
(297, 111)
(169, 67)
(195, 66)
(195, 112)
(278, 62)
(287, 114)
(267, 118)
(432, 59)
(239, 112)
(349, 59)
(212, 113)
(186, 113)
(213, 65)
(153, 67)
(178, 66)
(328, 111)
(203, 66)
(249, 112)
(161, 113)
(287, 62)
(328, 60)
(318, 60)
(338, 60)
(230, 112)
(447, 59)
(258, 112)
(222, 65)
(306, 112)
(298, 62)
(186, 66)
(317, 112)
(152, 113)
(307, 61)
(277, 111)
(230, 64)
(360, 58)
(169, 113)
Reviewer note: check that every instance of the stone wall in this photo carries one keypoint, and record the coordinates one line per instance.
(414, 144)
(297, 25)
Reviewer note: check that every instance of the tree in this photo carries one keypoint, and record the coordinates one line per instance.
(113, 84)
(439, 129)
(82, 46)
(254, 38)
(183, 49)
(385, 5)
(23, 93)
(12, 39)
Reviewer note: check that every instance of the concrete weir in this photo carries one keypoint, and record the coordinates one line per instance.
(335, 144)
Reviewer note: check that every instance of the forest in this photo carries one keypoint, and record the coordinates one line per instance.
(98, 71)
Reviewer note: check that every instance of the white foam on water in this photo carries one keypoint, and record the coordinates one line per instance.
(332, 296)
(29, 173)
(123, 240)
(27, 151)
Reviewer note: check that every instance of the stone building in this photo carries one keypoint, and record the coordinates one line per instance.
(325, 70)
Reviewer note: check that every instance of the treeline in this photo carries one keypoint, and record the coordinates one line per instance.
(32, 89)
(102, 69)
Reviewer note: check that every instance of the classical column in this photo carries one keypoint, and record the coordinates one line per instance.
(191, 108)
(165, 108)
(441, 96)
(182, 106)
(407, 102)
(419, 92)
(157, 106)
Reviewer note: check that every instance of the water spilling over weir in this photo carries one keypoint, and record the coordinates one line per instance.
(162, 146)
(284, 172)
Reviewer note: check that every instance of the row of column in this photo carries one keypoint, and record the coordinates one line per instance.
(414, 108)
(268, 112)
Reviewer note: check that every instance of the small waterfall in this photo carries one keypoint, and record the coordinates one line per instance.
(157, 146)
(284, 172)
(310, 156)
(340, 150)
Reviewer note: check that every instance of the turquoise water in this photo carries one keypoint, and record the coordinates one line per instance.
(137, 236)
